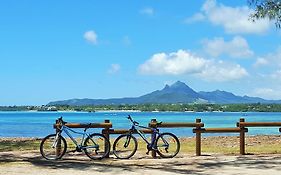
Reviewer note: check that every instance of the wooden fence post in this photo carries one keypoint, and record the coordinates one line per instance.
(242, 137)
(58, 146)
(153, 152)
(198, 138)
(106, 134)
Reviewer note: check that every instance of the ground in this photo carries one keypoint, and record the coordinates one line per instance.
(30, 162)
(220, 156)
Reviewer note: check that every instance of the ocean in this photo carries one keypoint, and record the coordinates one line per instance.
(40, 124)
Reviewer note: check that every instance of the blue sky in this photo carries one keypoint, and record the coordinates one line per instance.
(54, 50)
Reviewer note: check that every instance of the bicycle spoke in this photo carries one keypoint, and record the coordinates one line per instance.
(96, 146)
(53, 147)
(167, 145)
(125, 146)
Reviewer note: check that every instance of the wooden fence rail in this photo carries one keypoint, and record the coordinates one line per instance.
(198, 129)
(175, 125)
(124, 131)
(197, 125)
(259, 124)
(242, 124)
(239, 130)
(86, 125)
(219, 130)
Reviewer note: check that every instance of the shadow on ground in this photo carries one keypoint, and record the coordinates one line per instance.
(183, 165)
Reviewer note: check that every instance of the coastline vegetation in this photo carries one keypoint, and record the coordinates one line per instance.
(256, 107)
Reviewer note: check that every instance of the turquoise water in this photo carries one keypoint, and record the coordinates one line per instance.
(39, 124)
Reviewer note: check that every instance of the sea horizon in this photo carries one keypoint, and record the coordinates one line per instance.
(40, 124)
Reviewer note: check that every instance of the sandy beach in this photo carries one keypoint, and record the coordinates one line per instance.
(213, 163)
(15, 163)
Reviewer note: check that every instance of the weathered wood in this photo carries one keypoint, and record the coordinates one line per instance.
(153, 152)
(175, 125)
(58, 145)
(106, 134)
(124, 131)
(198, 138)
(242, 137)
(260, 124)
(86, 125)
(219, 130)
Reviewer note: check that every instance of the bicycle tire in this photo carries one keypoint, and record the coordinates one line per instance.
(48, 151)
(120, 150)
(96, 146)
(172, 148)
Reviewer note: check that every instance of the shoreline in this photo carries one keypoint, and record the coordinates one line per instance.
(182, 137)
(133, 111)
(227, 145)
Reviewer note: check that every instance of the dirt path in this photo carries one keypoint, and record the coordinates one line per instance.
(16, 163)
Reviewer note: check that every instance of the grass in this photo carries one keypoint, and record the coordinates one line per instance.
(19, 145)
(221, 145)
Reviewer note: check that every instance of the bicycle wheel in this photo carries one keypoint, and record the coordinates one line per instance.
(125, 146)
(52, 148)
(168, 145)
(96, 146)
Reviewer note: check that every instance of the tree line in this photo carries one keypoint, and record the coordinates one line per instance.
(256, 107)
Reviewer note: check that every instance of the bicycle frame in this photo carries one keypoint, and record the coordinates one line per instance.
(67, 131)
(155, 132)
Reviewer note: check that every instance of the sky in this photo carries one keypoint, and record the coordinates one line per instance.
(57, 50)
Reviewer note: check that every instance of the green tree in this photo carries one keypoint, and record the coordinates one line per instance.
(266, 9)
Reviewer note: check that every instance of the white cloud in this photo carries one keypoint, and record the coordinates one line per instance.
(267, 93)
(195, 18)
(237, 48)
(260, 62)
(221, 71)
(233, 19)
(114, 68)
(275, 57)
(271, 59)
(175, 63)
(147, 11)
(185, 63)
(91, 36)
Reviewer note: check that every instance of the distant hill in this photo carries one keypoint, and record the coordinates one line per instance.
(178, 92)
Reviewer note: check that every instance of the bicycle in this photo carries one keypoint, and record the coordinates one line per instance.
(167, 145)
(54, 146)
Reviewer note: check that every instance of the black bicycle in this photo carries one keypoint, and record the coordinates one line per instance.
(167, 145)
(95, 146)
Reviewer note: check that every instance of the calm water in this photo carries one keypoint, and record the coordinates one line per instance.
(39, 124)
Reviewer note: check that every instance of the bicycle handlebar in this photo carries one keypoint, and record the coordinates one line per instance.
(60, 120)
(134, 122)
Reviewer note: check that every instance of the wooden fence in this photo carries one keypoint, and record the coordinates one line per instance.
(198, 129)
(105, 125)
(242, 124)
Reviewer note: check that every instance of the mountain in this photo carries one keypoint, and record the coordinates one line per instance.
(178, 92)
(222, 97)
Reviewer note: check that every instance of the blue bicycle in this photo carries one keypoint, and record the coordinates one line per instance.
(95, 146)
(167, 145)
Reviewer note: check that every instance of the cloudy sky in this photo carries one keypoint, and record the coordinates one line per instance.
(54, 50)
